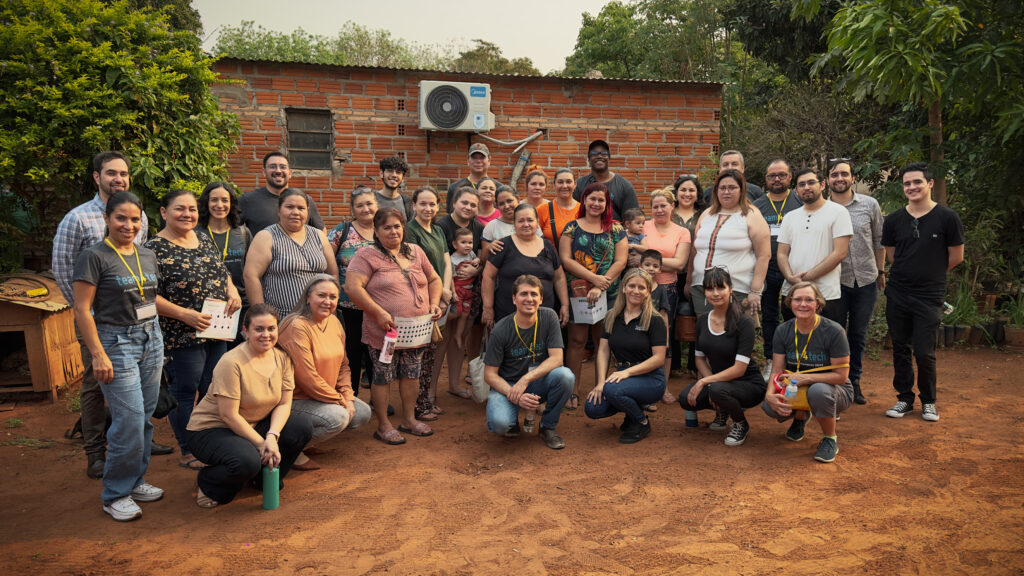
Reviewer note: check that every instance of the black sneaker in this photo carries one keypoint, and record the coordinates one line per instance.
(721, 421)
(551, 438)
(827, 450)
(738, 434)
(513, 432)
(858, 397)
(796, 430)
(900, 409)
(94, 469)
(160, 450)
(636, 433)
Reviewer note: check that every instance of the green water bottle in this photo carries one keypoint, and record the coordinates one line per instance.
(271, 488)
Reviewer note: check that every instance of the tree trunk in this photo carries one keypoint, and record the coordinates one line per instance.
(937, 155)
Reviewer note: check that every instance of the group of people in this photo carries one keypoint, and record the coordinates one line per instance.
(537, 280)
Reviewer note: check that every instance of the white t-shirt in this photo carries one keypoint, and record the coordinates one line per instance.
(810, 237)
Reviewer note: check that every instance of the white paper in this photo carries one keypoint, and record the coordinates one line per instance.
(584, 312)
(414, 332)
(222, 326)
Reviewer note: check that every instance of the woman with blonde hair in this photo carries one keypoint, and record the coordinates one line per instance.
(637, 336)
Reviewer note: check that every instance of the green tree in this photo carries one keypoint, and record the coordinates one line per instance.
(80, 76)
(180, 13)
(485, 57)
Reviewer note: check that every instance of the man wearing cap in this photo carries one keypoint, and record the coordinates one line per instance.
(733, 159)
(622, 192)
(478, 160)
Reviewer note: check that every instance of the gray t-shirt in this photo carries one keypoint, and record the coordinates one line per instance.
(827, 341)
(510, 352)
(259, 210)
(400, 203)
(117, 293)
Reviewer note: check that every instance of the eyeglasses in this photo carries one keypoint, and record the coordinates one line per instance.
(729, 188)
(776, 175)
(721, 267)
(277, 167)
(833, 160)
(917, 231)
(599, 154)
(803, 300)
(807, 183)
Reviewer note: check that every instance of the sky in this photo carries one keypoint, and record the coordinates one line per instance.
(542, 30)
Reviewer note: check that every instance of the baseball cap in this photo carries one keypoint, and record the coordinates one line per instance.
(479, 147)
(598, 143)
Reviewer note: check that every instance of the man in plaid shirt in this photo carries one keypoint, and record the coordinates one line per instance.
(82, 227)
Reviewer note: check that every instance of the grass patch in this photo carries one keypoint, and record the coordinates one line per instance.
(73, 400)
(26, 442)
(14, 423)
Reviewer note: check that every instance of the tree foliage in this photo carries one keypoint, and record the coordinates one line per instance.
(486, 57)
(180, 13)
(80, 76)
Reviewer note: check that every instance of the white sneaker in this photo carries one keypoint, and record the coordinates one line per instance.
(123, 509)
(146, 492)
(929, 413)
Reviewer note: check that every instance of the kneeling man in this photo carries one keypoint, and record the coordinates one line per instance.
(523, 365)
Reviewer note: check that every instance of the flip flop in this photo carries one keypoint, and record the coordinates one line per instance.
(406, 430)
(204, 501)
(190, 463)
(391, 437)
(572, 403)
(465, 393)
(310, 464)
(427, 416)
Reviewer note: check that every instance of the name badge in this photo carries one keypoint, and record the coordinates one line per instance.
(775, 229)
(145, 310)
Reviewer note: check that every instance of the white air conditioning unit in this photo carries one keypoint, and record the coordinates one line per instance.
(455, 106)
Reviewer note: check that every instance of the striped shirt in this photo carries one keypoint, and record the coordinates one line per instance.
(82, 227)
(291, 267)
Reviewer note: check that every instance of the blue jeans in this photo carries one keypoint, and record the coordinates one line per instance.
(329, 419)
(190, 370)
(137, 354)
(629, 396)
(770, 307)
(553, 389)
(856, 305)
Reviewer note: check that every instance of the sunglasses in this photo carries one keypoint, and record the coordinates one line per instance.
(917, 231)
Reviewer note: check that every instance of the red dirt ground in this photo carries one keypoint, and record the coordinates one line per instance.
(904, 497)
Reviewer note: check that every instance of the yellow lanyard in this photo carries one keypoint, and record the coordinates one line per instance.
(796, 345)
(778, 211)
(531, 348)
(227, 238)
(138, 279)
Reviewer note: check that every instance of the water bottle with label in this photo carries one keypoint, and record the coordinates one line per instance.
(387, 351)
(791, 390)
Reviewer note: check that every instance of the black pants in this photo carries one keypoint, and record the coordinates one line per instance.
(94, 410)
(770, 307)
(730, 397)
(912, 323)
(357, 352)
(232, 461)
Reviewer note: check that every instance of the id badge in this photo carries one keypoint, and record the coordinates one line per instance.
(145, 310)
(775, 229)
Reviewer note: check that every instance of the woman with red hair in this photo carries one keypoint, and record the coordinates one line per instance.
(593, 251)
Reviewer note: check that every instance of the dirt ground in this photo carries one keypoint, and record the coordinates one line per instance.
(903, 497)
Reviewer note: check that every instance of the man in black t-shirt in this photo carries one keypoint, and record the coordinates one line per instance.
(523, 366)
(923, 242)
(622, 192)
(259, 207)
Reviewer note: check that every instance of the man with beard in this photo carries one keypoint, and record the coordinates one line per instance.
(392, 173)
(923, 242)
(733, 159)
(81, 228)
(860, 272)
(779, 201)
(813, 241)
(259, 207)
(622, 192)
(479, 161)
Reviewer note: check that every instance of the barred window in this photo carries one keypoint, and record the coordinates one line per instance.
(310, 138)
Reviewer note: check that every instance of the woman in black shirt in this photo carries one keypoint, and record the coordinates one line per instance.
(730, 381)
(635, 333)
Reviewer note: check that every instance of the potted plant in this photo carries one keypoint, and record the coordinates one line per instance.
(1013, 309)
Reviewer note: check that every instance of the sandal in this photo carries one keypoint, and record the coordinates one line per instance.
(465, 393)
(573, 402)
(191, 464)
(435, 409)
(427, 415)
(391, 437)
(204, 501)
(668, 398)
(425, 431)
(306, 466)
(651, 407)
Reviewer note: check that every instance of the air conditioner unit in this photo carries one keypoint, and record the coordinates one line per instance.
(455, 106)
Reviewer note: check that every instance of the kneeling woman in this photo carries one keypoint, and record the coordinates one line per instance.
(635, 333)
(730, 381)
(245, 419)
(805, 343)
(313, 337)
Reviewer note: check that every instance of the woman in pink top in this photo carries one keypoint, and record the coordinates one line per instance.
(389, 280)
(487, 189)
(673, 242)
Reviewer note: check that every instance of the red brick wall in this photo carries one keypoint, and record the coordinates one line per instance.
(656, 130)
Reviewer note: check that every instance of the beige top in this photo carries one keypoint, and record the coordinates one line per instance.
(236, 377)
(321, 367)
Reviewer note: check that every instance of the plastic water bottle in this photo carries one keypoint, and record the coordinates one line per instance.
(388, 351)
(271, 488)
(691, 419)
(791, 390)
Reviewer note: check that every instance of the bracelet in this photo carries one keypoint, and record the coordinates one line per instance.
(276, 435)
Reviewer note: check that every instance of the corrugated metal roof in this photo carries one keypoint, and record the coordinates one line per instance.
(476, 74)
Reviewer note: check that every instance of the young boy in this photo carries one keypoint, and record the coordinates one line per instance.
(650, 261)
(462, 302)
(634, 220)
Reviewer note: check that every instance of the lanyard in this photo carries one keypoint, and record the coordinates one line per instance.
(138, 279)
(796, 345)
(227, 238)
(778, 211)
(531, 348)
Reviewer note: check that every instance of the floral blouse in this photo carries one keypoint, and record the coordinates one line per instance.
(187, 278)
(595, 252)
(344, 250)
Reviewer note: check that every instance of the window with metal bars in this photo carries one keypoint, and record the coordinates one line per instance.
(310, 138)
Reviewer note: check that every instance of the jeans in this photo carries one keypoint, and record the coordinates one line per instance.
(190, 371)
(136, 353)
(731, 397)
(770, 307)
(912, 323)
(232, 461)
(629, 396)
(825, 400)
(553, 389)
(673, 295)
(330, 419)
(94, 413)
(856, 306)
(358, 354)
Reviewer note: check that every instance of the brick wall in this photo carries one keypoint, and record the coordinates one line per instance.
(656, 130)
